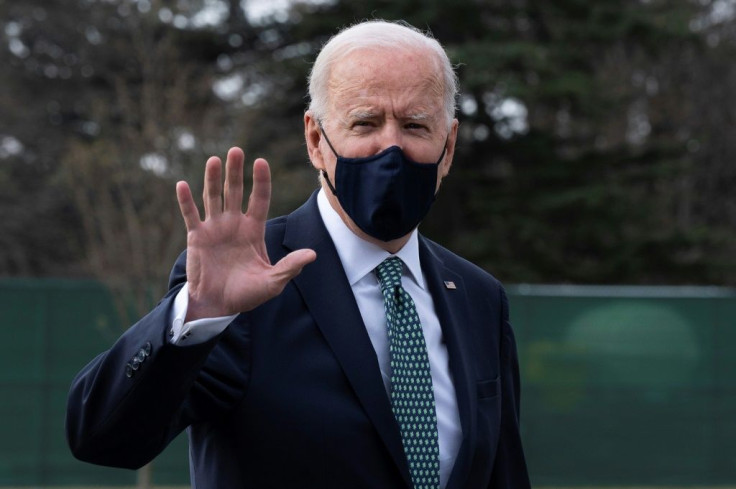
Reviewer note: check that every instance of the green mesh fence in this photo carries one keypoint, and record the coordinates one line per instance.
(50, 330)
(621, 385)
(628, 385)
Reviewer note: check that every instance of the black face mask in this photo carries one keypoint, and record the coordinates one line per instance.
(386, 195)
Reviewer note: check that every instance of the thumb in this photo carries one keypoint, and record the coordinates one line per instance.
(289, 266)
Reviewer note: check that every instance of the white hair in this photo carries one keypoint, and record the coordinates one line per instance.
(370, 34)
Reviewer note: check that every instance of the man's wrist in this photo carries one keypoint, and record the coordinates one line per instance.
(186, 331)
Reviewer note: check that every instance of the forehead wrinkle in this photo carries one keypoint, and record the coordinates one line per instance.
(414, 98)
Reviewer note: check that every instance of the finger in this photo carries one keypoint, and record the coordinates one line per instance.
(291, 265)
(234, 180)
(212, 195)
(188, 208)
(260, 195)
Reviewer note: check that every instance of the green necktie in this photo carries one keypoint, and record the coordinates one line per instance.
(412, 397)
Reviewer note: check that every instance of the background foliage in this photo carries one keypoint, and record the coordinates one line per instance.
(595, 142)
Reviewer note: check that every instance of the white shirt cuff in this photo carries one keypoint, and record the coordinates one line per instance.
(197, 331)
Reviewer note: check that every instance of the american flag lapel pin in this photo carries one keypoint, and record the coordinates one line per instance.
(449, 284)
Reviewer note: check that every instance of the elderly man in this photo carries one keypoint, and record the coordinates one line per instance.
(366, 356)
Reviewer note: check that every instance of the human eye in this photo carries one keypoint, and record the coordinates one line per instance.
(362, 125)
(417, 127)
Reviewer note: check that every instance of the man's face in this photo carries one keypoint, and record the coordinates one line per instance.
(378, 98)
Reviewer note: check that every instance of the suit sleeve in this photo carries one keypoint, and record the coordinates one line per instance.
(129, 402)
(510, 471)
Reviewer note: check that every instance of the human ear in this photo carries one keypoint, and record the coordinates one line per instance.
(313, 136)
(446, 162)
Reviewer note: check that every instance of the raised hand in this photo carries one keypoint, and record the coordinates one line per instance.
(228, 269)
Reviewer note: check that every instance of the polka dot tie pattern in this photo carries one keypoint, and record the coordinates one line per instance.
(412, 397)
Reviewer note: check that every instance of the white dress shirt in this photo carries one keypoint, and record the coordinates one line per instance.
(359, 258)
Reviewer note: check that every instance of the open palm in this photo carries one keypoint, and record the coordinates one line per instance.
(228, 269)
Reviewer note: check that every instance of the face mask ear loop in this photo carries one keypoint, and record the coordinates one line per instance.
(322, 130)
(329, 184)
(444, 150)
(324, 173)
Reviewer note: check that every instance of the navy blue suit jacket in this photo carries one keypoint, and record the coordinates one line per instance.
(290, 394)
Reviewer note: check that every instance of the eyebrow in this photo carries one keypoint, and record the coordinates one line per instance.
(362, 114)
(419, 116)
(369, 114)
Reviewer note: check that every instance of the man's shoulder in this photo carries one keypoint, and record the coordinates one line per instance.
(300, 228)
(276, 224)
(308, 210)
(471, 273)
(274, 236)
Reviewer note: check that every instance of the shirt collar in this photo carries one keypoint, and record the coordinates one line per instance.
(359, 257)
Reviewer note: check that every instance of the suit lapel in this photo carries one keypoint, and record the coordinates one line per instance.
(331, 302)
(451, 305)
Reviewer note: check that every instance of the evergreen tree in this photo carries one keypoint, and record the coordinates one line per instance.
(594, 140)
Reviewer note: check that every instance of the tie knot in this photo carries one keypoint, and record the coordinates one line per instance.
(389, 272)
